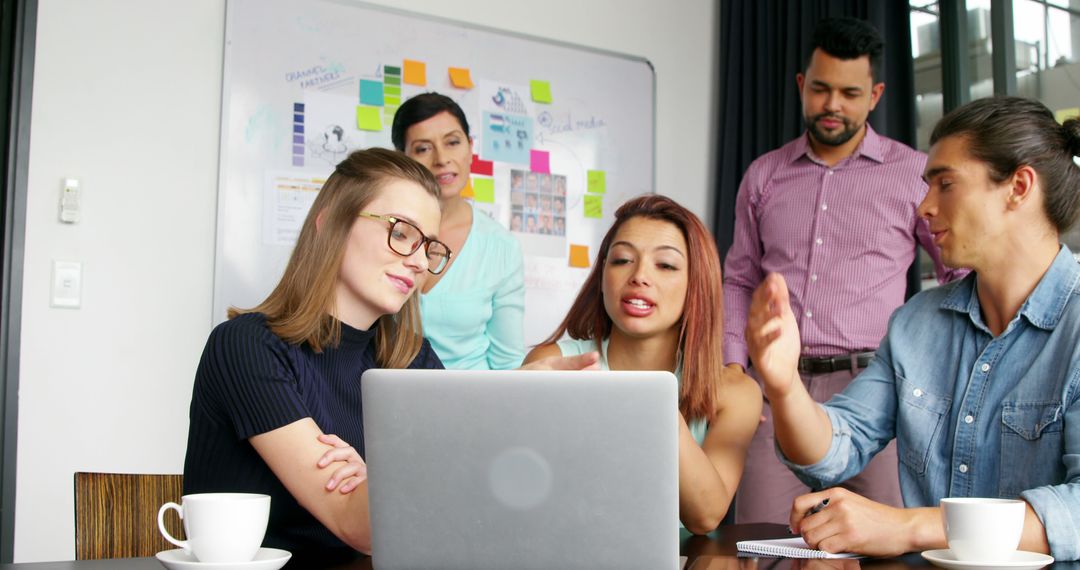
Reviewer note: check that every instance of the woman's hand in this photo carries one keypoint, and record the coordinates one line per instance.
(349, 476)
(586, 361)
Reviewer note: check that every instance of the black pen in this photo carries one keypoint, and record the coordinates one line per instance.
(817, 508)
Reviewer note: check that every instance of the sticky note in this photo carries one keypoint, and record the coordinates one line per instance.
(540, 161)
(368, 118)
(541, 91)
(594, 206)
(485, 167)
(371, 92)
(415, 72)
(391, 90)
(392, 100)
(579, 255)
(460, 78)
(467, 191)
(393, 80)
(597, 182)
(391, 70)
(1063, 115)
(484, 190)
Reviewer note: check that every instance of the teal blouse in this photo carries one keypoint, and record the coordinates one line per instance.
(474, 316)
(572, 347)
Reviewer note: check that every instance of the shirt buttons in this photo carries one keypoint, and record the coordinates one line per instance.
(963, 468)
(813, 277)
(824, 206)
(969, 418)
(985, 367)
(806, 349)
(809, 314)
(819, 241)
(917, 393)
(830, 173)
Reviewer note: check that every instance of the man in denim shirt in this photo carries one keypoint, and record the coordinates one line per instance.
(978, 380)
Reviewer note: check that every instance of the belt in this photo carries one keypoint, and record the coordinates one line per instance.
(826, 364)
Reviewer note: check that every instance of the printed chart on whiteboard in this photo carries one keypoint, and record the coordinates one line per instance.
(561, 134)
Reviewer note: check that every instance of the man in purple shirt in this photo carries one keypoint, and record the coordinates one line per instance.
(834, 212)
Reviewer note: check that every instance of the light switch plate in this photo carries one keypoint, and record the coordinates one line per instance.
(66, 284)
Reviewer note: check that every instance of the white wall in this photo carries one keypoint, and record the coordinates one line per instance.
(127, 99)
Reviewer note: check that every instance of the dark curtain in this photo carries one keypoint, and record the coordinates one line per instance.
(763, 44)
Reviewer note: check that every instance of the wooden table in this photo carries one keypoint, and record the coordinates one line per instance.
(715, 551)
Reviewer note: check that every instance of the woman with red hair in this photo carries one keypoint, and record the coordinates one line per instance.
(653, 302)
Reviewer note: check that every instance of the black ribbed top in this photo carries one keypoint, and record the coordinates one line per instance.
(249, 382)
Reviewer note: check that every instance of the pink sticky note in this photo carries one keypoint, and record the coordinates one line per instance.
(540, 161)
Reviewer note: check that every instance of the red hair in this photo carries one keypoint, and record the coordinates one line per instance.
(702, 323)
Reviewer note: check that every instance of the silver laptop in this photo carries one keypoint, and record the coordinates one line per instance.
(522, 469)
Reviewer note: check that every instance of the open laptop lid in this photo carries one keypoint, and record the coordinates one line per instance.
(522, 469)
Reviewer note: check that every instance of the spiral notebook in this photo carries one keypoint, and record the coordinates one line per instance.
(794, 547)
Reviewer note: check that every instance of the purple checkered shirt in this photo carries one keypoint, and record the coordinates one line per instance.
(843, 237)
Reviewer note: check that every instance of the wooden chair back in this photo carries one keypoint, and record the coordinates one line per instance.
(116, 514)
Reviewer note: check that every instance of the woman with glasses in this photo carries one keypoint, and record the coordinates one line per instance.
(653, 302)
(276, 379)
(473, 312)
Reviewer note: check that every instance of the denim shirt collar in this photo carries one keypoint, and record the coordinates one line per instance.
(1043, 308)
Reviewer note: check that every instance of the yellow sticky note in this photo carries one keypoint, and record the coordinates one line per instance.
(460, 78)
(467, 191)
(1063, 115)
(415, 72)
(579, 255)
(594, 206)
(369, 118)
(597, 182)
(541, 91)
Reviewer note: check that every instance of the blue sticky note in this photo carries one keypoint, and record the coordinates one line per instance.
(371, 92)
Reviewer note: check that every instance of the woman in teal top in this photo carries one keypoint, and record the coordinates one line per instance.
(653, 302)
(473, 312)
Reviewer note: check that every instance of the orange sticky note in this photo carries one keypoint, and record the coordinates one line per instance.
(460, 78)
(415, 72)
(467, 191)
(579, 255)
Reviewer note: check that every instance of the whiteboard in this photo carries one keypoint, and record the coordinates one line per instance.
(307, 81)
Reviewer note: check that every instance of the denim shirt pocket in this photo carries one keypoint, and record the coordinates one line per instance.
(1031, 436)
(919, 417)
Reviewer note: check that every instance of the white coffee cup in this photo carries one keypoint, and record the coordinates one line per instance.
(983, 530)
(220, 527)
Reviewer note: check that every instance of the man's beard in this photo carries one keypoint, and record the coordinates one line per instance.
(825, 138)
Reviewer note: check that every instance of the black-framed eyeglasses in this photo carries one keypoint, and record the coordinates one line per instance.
(404, 239)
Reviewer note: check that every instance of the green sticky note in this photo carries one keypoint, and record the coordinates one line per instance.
(392, 80)
(392, 100)
(392, 70)
(594, 206)
(541, 91)
(597, 182)
(391, 90)
(368, 118)
(484, 190)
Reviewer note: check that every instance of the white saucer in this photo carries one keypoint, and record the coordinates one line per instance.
(1021, 560)
(265, 559)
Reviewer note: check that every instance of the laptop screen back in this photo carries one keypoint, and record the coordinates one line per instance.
(522, 469)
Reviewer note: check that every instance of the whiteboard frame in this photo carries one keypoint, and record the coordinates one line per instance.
(218, 307)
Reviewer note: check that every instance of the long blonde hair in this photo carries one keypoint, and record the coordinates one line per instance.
(299, 309)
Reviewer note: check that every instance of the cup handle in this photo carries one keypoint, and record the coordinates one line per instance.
(161, 524)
